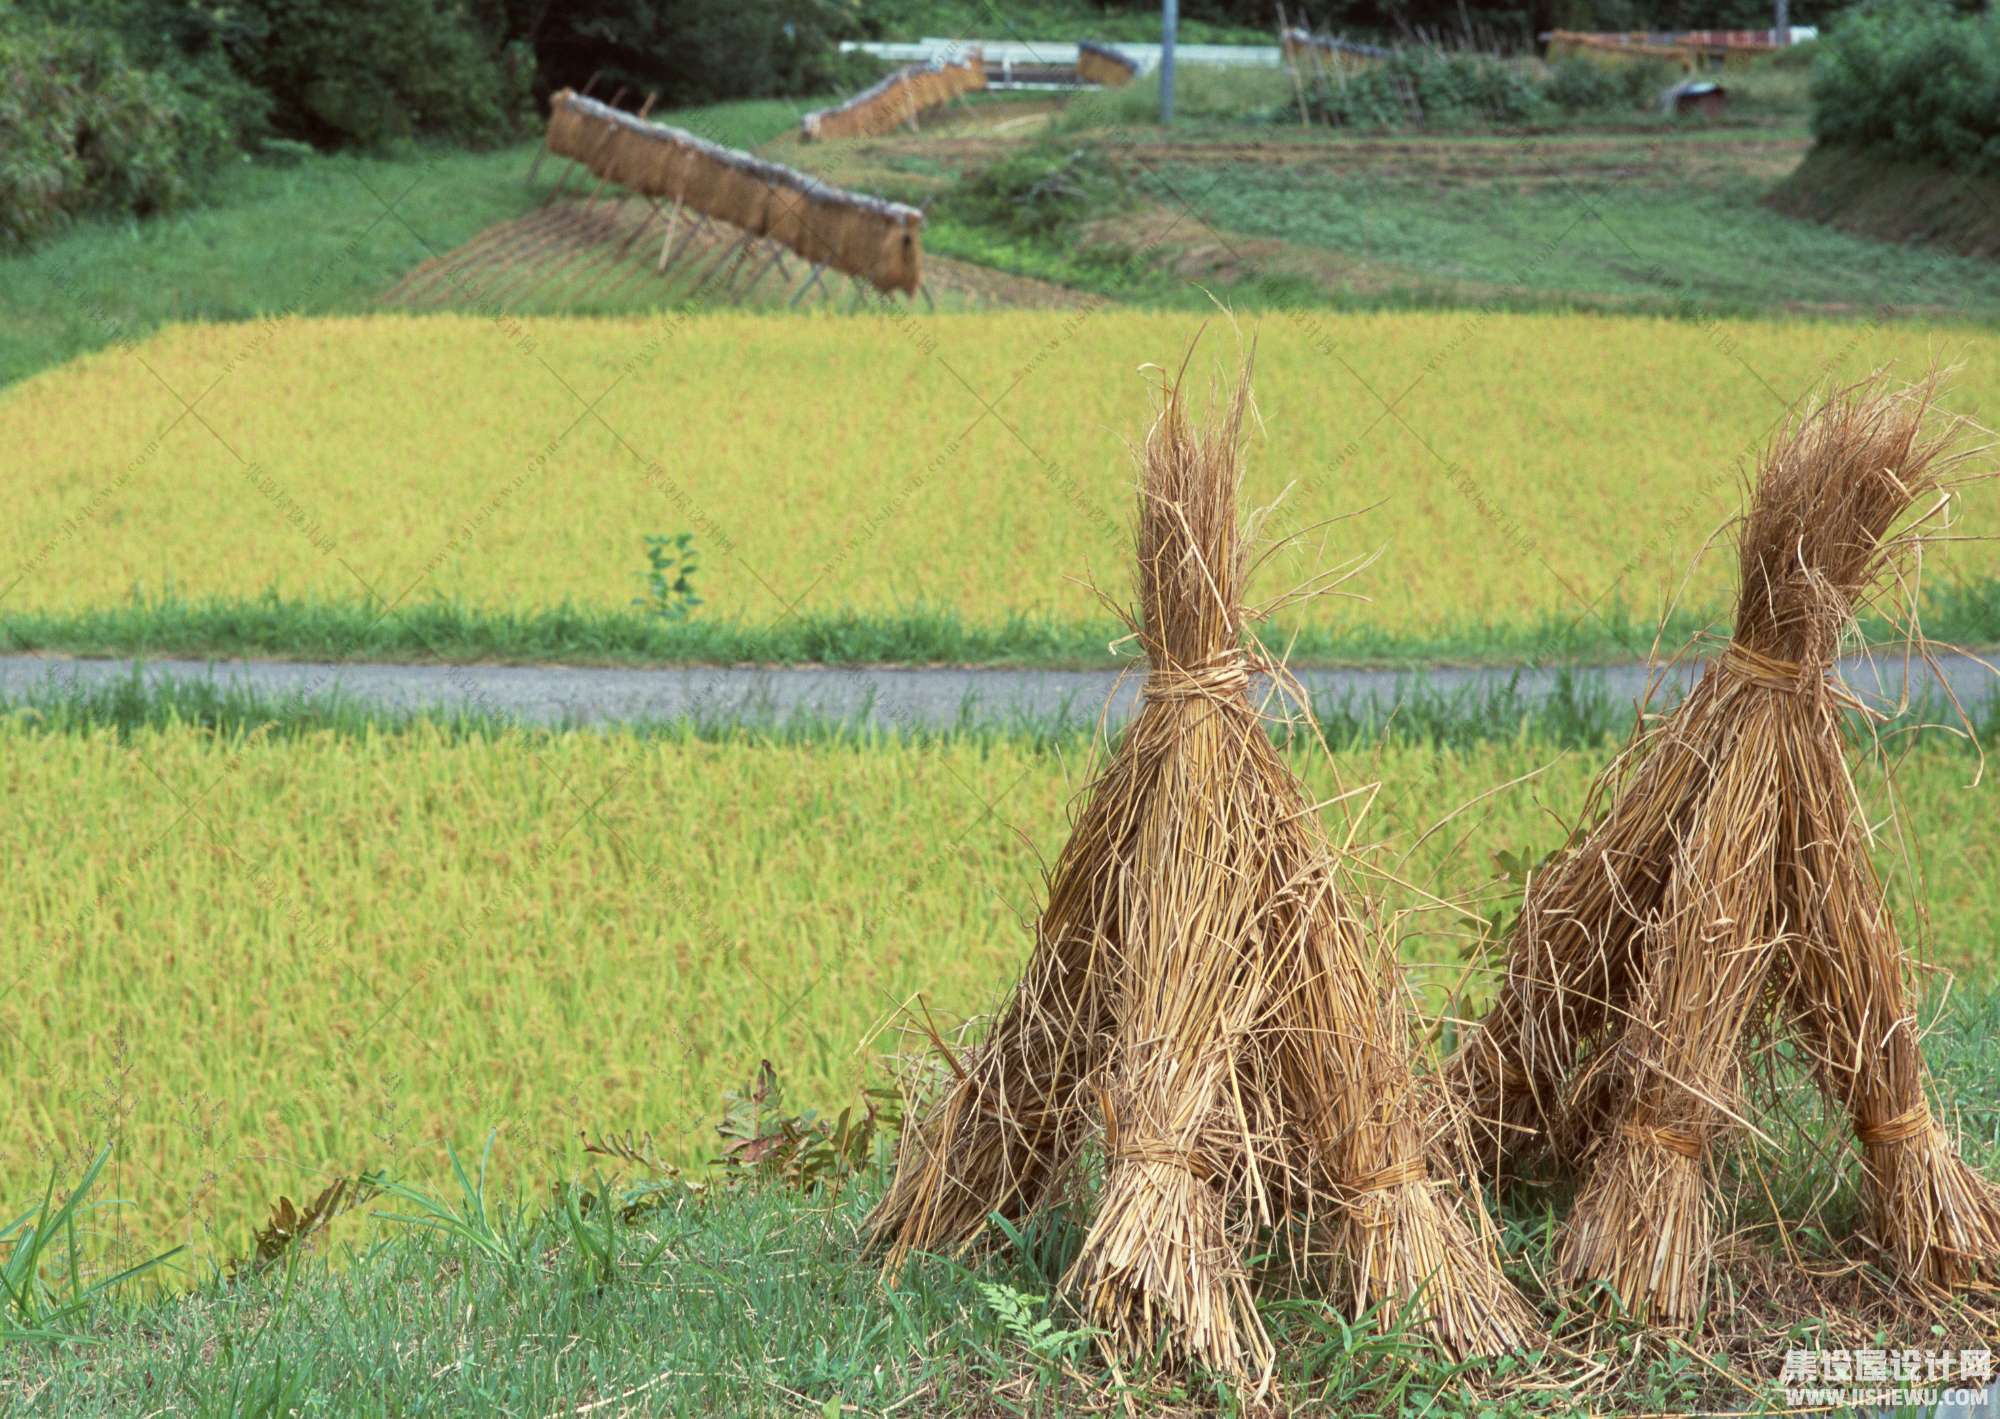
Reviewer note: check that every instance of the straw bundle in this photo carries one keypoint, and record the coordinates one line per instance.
(1729, 879)
(1209, 1005)
(739, 195)
(899, 262)
(864, 236)
(886, 105)
(568, 127)
(1101, 64)
(857, 235)
(786, 213)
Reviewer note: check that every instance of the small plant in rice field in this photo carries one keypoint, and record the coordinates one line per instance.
(671, 562)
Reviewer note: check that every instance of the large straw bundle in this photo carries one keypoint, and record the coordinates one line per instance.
(1729, 877)
(899, 262)
(880, 242)
(1209, 1005)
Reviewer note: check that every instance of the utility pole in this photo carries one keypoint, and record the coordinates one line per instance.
(1783, 22)
(1170, 21)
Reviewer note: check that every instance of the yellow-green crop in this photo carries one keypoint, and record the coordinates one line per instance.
(253, 965)
(1514, 468)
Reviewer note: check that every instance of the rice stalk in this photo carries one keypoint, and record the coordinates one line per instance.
(1210, 1008)
(1726, 883)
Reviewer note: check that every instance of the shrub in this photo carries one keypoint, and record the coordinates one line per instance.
(84, 129)
(1578, 85)
(1914, 81)
(1040, 192)
(334, 73)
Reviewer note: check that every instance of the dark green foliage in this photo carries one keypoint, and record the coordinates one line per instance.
(82, 129)
(693, 51)
(368, 72)
(127, 106)
(1914, 80)
(344, 74)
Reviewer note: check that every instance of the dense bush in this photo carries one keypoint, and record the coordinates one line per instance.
(1912, 80)
(696, 51)
(366, 72)
(1425, 86)
(1041, 192)
(82, 128)
(335, 73)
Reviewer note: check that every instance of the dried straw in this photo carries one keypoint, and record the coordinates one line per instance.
(1103, 65)
(1729, 878)
(879, 241)
(1208, 1003)
(888, 104)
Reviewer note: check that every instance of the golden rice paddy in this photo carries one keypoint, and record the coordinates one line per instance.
(1512, 467)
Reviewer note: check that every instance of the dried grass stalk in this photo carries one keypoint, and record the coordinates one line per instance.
(1730, 878)
(1208, 1003)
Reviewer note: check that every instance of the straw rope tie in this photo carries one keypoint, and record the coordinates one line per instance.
(1227, 674)
(1758, 668)
(1409, 1170)
(1159, 1150)
(1900, 1129)
(1683, 1141)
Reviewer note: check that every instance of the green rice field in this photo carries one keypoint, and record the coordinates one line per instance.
(257, 961)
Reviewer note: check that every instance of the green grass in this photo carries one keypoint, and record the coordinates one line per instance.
(1216, 102)
(1706, 247)
(305, 238)
(644, 1294)
(449, 632)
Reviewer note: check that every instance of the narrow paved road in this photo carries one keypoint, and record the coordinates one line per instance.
(900, 699)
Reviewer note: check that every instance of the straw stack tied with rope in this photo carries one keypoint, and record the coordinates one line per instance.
(1210, 1008)
(1725, 886)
